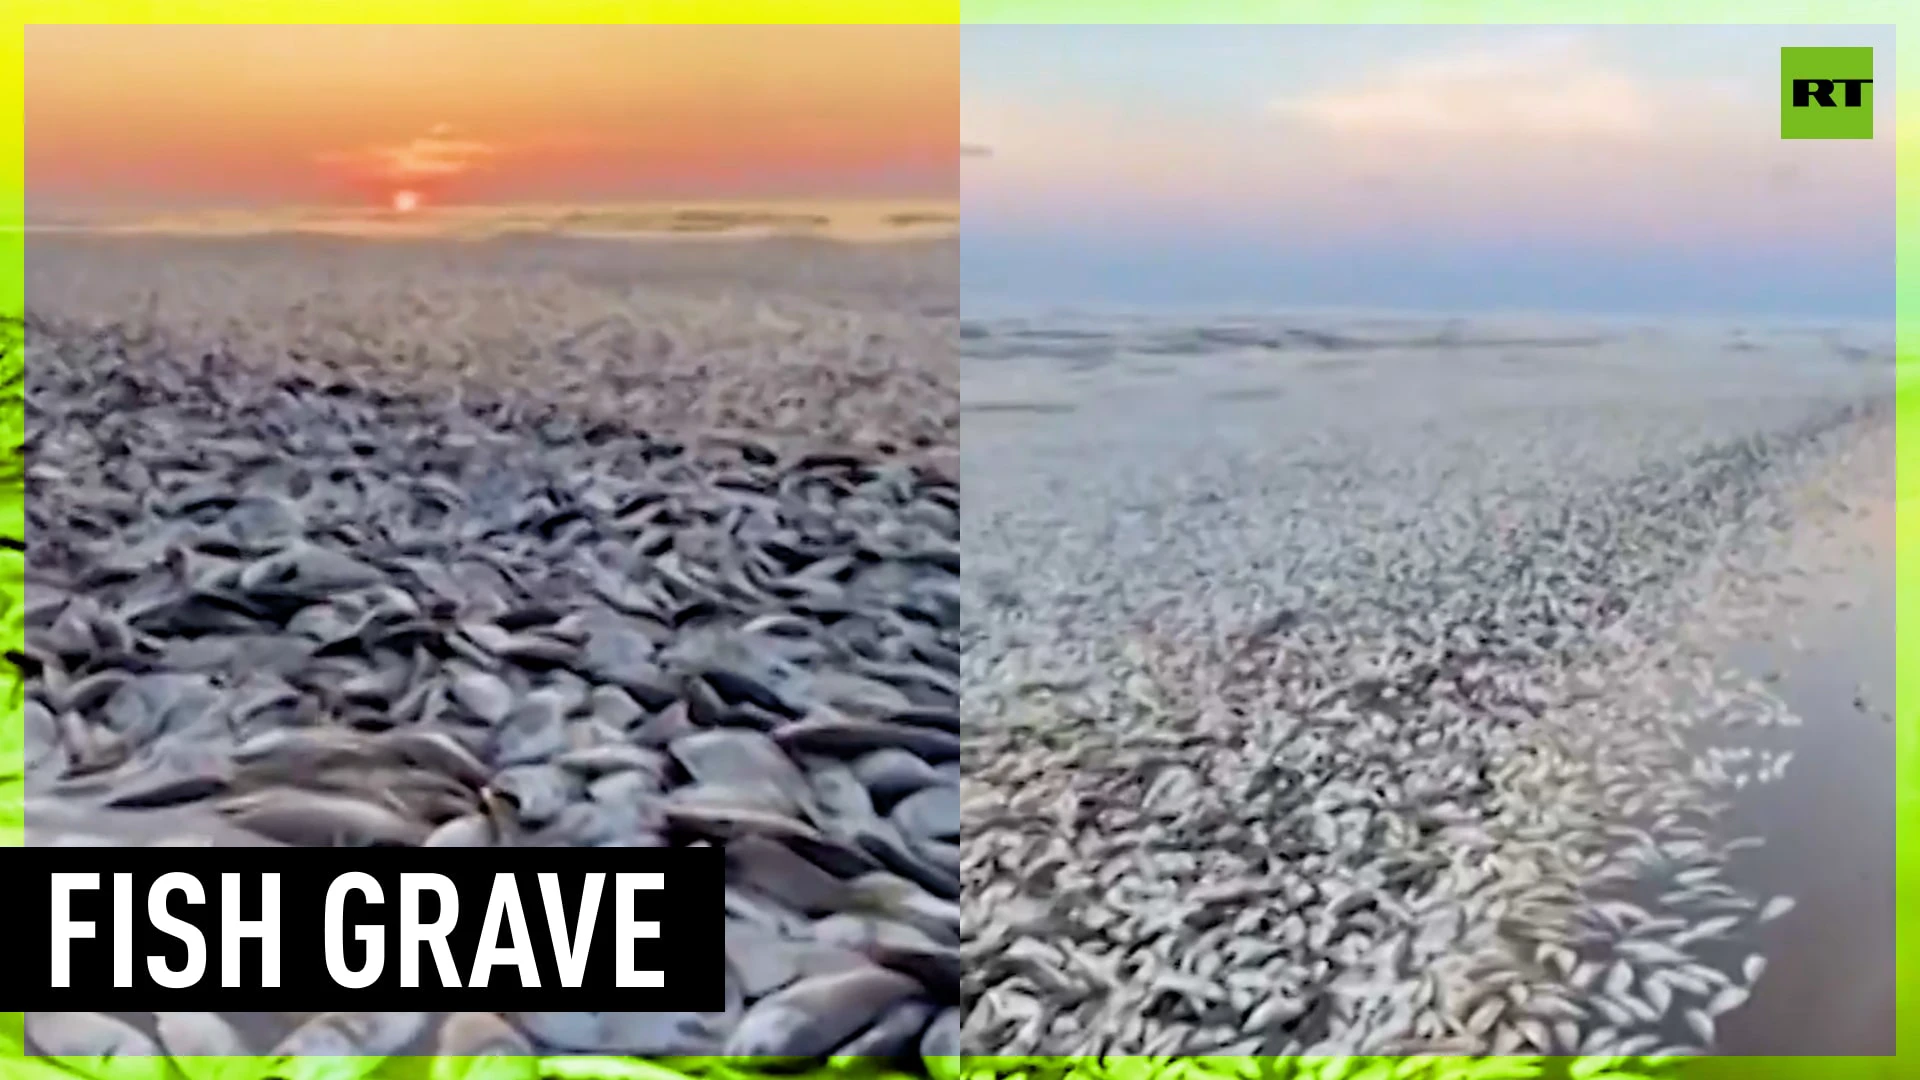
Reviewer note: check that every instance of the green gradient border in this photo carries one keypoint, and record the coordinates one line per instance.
(1905, 1062)
(14, 1063)
(1572, 11)
(12, 432)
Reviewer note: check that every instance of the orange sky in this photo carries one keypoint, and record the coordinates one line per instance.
(205, 115)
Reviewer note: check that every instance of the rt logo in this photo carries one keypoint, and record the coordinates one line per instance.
(1826, 93)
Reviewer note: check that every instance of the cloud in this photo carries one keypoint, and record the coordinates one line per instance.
(1546, 86)
(435, 155)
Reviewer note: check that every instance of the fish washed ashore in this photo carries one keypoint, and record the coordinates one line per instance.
(1339, 688)
(290, 592)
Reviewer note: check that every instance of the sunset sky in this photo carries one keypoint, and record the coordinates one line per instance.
(203, 116)
(1610, 169)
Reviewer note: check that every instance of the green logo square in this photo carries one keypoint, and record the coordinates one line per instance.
(1826, 93)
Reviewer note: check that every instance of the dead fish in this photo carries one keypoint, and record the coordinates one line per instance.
(307, 570)
(204, 1046)
(891, 773)
(366, 1035)
(895, 1034)
(1728, 999)
(482, 694)
(49, 819)
(537, 792)
(845, 737)
(811, 1017)
(91, 1044)
(742, 760)
(940, 1045)
(316, 819)
(1702, 1025)
(482, 1046)
(435, 750)
(638, 1034)
(776, 870)
(932, 813)
(468, 831)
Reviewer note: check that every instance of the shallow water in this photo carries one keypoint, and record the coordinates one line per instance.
(1830, 830)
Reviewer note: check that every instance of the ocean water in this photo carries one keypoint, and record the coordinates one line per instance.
(847, 220)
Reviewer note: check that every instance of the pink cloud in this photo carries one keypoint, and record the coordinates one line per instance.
(436, 155)
(1546, 86)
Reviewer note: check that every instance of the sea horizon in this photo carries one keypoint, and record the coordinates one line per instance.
(988, 306)
(726, 217)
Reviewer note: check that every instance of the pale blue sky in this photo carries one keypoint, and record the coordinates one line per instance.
(1608, 168)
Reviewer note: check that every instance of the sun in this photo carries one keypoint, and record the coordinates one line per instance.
(406, 202)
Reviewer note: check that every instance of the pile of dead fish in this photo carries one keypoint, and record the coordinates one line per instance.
(304, 609)
(1442, 795)
(848, 342)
